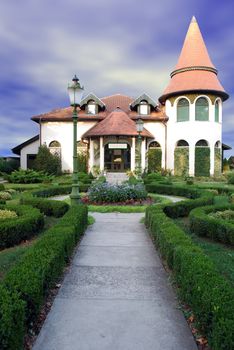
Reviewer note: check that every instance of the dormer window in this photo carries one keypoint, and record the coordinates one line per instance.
(144, 108)
(91, 107)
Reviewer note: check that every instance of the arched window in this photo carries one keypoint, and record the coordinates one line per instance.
(218, 144)
(202, 109)
(143, 108)
(154, 157)
(82, 147)
(217, 159)
(202, 143)
(217, 111)
(182, 110)
(154, 144)
(182, 143)
(54, 144)
(91, 107)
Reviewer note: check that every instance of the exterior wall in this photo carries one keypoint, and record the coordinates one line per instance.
(158, 131)
(63, 133)
(192, 131)
(30, 149)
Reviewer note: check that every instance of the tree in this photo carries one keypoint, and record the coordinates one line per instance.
(48, 162)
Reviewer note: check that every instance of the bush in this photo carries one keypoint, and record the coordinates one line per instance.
(7, 166)
(7, 214)
(25, 226)
(2, 188)
(153, 177)
(154, 159)
(47, 207)
(58, 190)
(47, 162)
(5, 196)
(29, 176)
(202, 161)
(44, 261)
(106, 193)
(213, 226)
(11, 320)
(230, 177)
(209, 295)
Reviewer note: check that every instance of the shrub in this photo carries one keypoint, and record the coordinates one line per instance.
(209, 295)
(154, 159)
(153, 177)
(47, 162)
(57, 190)
(25, 226)
(28, 176)
(202, 161)
(44, 261)
(11, 320)
(5, 196)
(106, 193)
(2, 188)
(7, 166)
(213, 226)
(7, 214)
(230, 177)
(47, 207)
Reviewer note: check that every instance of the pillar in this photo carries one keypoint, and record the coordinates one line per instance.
(91, 155)
(143, 147)
(212, 160)
(133, 150)
(101, 154)
(191, 160)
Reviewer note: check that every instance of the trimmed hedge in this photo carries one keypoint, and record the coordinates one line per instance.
(13, 231)
(57, 190)
(46, 206)
(11, 320)
(203, 225)
(40, 266)
(201, 286)
(197, 198)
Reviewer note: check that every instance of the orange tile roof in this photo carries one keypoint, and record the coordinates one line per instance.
(117, 123)
(194, 70)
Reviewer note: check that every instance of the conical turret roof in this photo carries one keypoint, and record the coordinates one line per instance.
(194, 70)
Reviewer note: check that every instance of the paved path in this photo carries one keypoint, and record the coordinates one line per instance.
(116, 295)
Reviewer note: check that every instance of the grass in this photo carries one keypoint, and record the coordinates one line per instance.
(10, 256)
(221, 255)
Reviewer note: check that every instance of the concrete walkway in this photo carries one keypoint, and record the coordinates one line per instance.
(116, 295)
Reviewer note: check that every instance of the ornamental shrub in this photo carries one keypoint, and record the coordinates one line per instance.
(29, 176)
(47, 162)
(202, 161)
(107, 193)
(154, 160)
(2, 188)
(7, 214)
(230, 177)
(181, 161)
(7, 166)
(46, 206)
(5, 196)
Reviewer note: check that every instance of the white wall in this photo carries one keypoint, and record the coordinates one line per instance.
(32, 148)
(192, 131)
(63, 133)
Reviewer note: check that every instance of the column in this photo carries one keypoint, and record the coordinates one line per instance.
(143, 155)
(191, 159)
(91, 155)
(101, 154)
(212, 159)
(133, 150)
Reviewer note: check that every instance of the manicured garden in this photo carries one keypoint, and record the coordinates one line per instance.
(195, 238)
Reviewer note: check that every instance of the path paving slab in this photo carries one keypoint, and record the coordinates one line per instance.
(116, 294)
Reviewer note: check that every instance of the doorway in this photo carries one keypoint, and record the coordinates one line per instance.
(117, 159)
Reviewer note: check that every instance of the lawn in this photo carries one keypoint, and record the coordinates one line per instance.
(221, 255)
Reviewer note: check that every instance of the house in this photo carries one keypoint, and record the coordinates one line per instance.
(182, 131)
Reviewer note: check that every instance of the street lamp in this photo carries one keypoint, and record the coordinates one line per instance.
(75, 92)
(139, 126)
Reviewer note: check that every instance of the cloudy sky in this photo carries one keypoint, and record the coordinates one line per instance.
(114, 46)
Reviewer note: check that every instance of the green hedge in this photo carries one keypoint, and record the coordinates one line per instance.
(13, 231)
(154, 159)
(11, 320)
(59, 190)
(46, 206)
(40, 266)
(209, 295)
(181, 161)
(202, 161)
(203, 225)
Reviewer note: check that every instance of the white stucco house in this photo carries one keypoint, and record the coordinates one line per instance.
(182, 131)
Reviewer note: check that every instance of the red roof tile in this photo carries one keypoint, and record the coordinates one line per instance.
(117, 123)
(194, 70)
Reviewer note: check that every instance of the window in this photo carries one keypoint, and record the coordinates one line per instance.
(182, 143)
(91, 107)
(202, 143)
(154, 144)
(54, 144)
(144, 108)
(55, 148)
(217, 111)
(182, 110)
(202, 109)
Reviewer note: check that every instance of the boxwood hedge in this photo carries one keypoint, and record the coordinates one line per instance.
(57, 190)
(14, 230)
(217, 229)
(47, 206)
(38, 269)
(200, 285)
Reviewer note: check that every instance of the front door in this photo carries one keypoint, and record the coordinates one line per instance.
(117, 160)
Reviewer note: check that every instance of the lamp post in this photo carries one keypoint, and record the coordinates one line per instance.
(139, 126)
(75, 92)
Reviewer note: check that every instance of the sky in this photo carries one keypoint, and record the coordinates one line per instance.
(124, 46)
